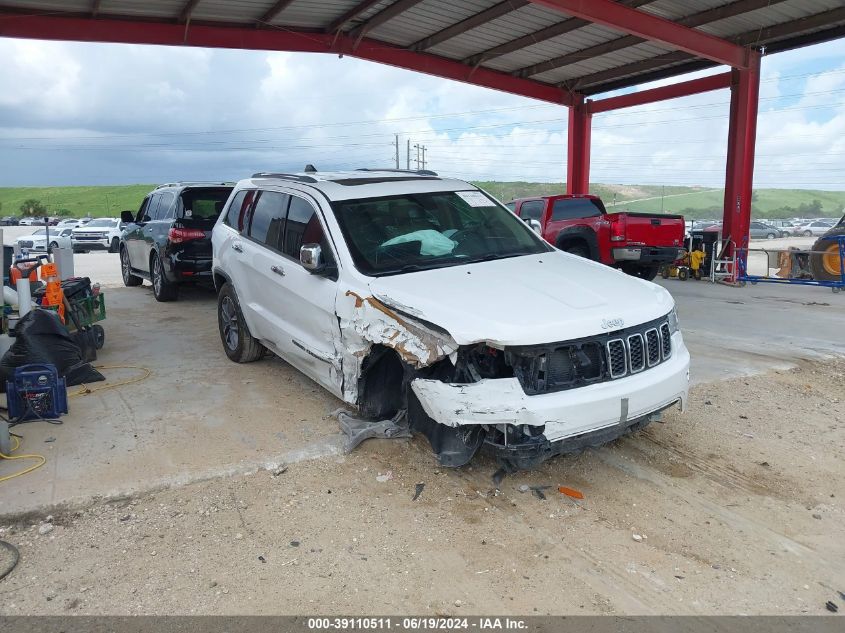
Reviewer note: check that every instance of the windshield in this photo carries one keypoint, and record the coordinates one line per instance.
(204, 204)
(102, 223)
(421, 231)
(40, 232)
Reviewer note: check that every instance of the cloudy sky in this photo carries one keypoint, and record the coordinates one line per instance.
(73, 114)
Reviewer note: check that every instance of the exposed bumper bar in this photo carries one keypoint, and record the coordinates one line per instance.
(564, 414)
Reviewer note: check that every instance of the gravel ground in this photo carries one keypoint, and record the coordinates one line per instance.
(733, 508)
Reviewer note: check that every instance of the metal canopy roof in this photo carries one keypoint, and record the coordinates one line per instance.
(540, 48)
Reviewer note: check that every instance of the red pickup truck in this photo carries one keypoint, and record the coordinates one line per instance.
(638, 243)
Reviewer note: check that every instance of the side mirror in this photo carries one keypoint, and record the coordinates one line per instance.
(127, 216)
(534, 224)
(311, 258)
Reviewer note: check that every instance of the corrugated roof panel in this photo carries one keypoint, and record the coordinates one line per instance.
(770, 16)
(426, 18)
(244, 11)
(148, 8)
(561, 45)
(675, 9)
(513, 25)
(72, 6)
(600, 63)
(312, 14)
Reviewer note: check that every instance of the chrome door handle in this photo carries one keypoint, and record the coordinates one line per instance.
(237, 247)
(277, 270)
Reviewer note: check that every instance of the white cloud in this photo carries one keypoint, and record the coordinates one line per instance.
(109, 113)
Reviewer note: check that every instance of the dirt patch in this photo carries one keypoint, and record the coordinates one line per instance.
(732, 508)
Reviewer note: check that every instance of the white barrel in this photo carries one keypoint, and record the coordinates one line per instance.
(24, 296)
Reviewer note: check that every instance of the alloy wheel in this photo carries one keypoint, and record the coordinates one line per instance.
(229, 319)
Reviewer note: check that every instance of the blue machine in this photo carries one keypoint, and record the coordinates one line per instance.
(36, 391)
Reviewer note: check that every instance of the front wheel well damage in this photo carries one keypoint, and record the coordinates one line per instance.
(384, 388)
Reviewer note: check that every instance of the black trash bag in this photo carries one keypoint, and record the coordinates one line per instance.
(41, 337)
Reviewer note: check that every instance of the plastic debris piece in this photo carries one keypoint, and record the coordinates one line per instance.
(418, 491)
(537, 491)
(383, 477)
(357, 430)
(570, 492)
(831, 606)
(637, 538)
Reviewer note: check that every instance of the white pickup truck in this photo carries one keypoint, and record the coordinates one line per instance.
(402, 290)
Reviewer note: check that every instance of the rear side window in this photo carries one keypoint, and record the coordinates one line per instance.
(238, 208)
(511, 206)
(268, 219)
(532, 210)
(571, 208)
(165, 209)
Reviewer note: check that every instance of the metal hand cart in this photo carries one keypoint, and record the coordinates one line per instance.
(85, 312)
(835, 285)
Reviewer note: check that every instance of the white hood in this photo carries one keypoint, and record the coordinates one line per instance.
(525, 300)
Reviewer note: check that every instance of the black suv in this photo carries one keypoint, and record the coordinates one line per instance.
(169, 240)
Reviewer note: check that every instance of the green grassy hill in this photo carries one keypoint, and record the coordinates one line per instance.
(79, 201)
(693, 202)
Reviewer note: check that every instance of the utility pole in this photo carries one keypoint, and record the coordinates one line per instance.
(397, 150)
(408, 156)
(420, 156)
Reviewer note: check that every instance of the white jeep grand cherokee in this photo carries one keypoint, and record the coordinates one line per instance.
(402, 290)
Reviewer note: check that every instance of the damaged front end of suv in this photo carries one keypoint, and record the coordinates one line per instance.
(524, 403)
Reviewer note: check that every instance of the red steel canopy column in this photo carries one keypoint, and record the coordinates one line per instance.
(742, 136)
(578, 147)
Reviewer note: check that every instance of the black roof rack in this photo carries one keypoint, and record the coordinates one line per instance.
(185, 183)
(295, 177)
(418, 172)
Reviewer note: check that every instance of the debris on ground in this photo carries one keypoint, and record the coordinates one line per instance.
(831, 606)
(418, 491)
(281, 469)
(570, 492)
(383, 477)
(637, 537)
(524, 488)
(45, 528)
(537, 491)
(357, 429)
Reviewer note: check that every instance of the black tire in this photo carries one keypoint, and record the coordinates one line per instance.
(665, 272)
(115, 245)
(54, 245)
(238, 343)
(129, 279)
(825, 266)
(99, 336)
(580, 250)
(808, 234)
(643, 271)
(163, 288)
(770, 236)
(683, 274)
